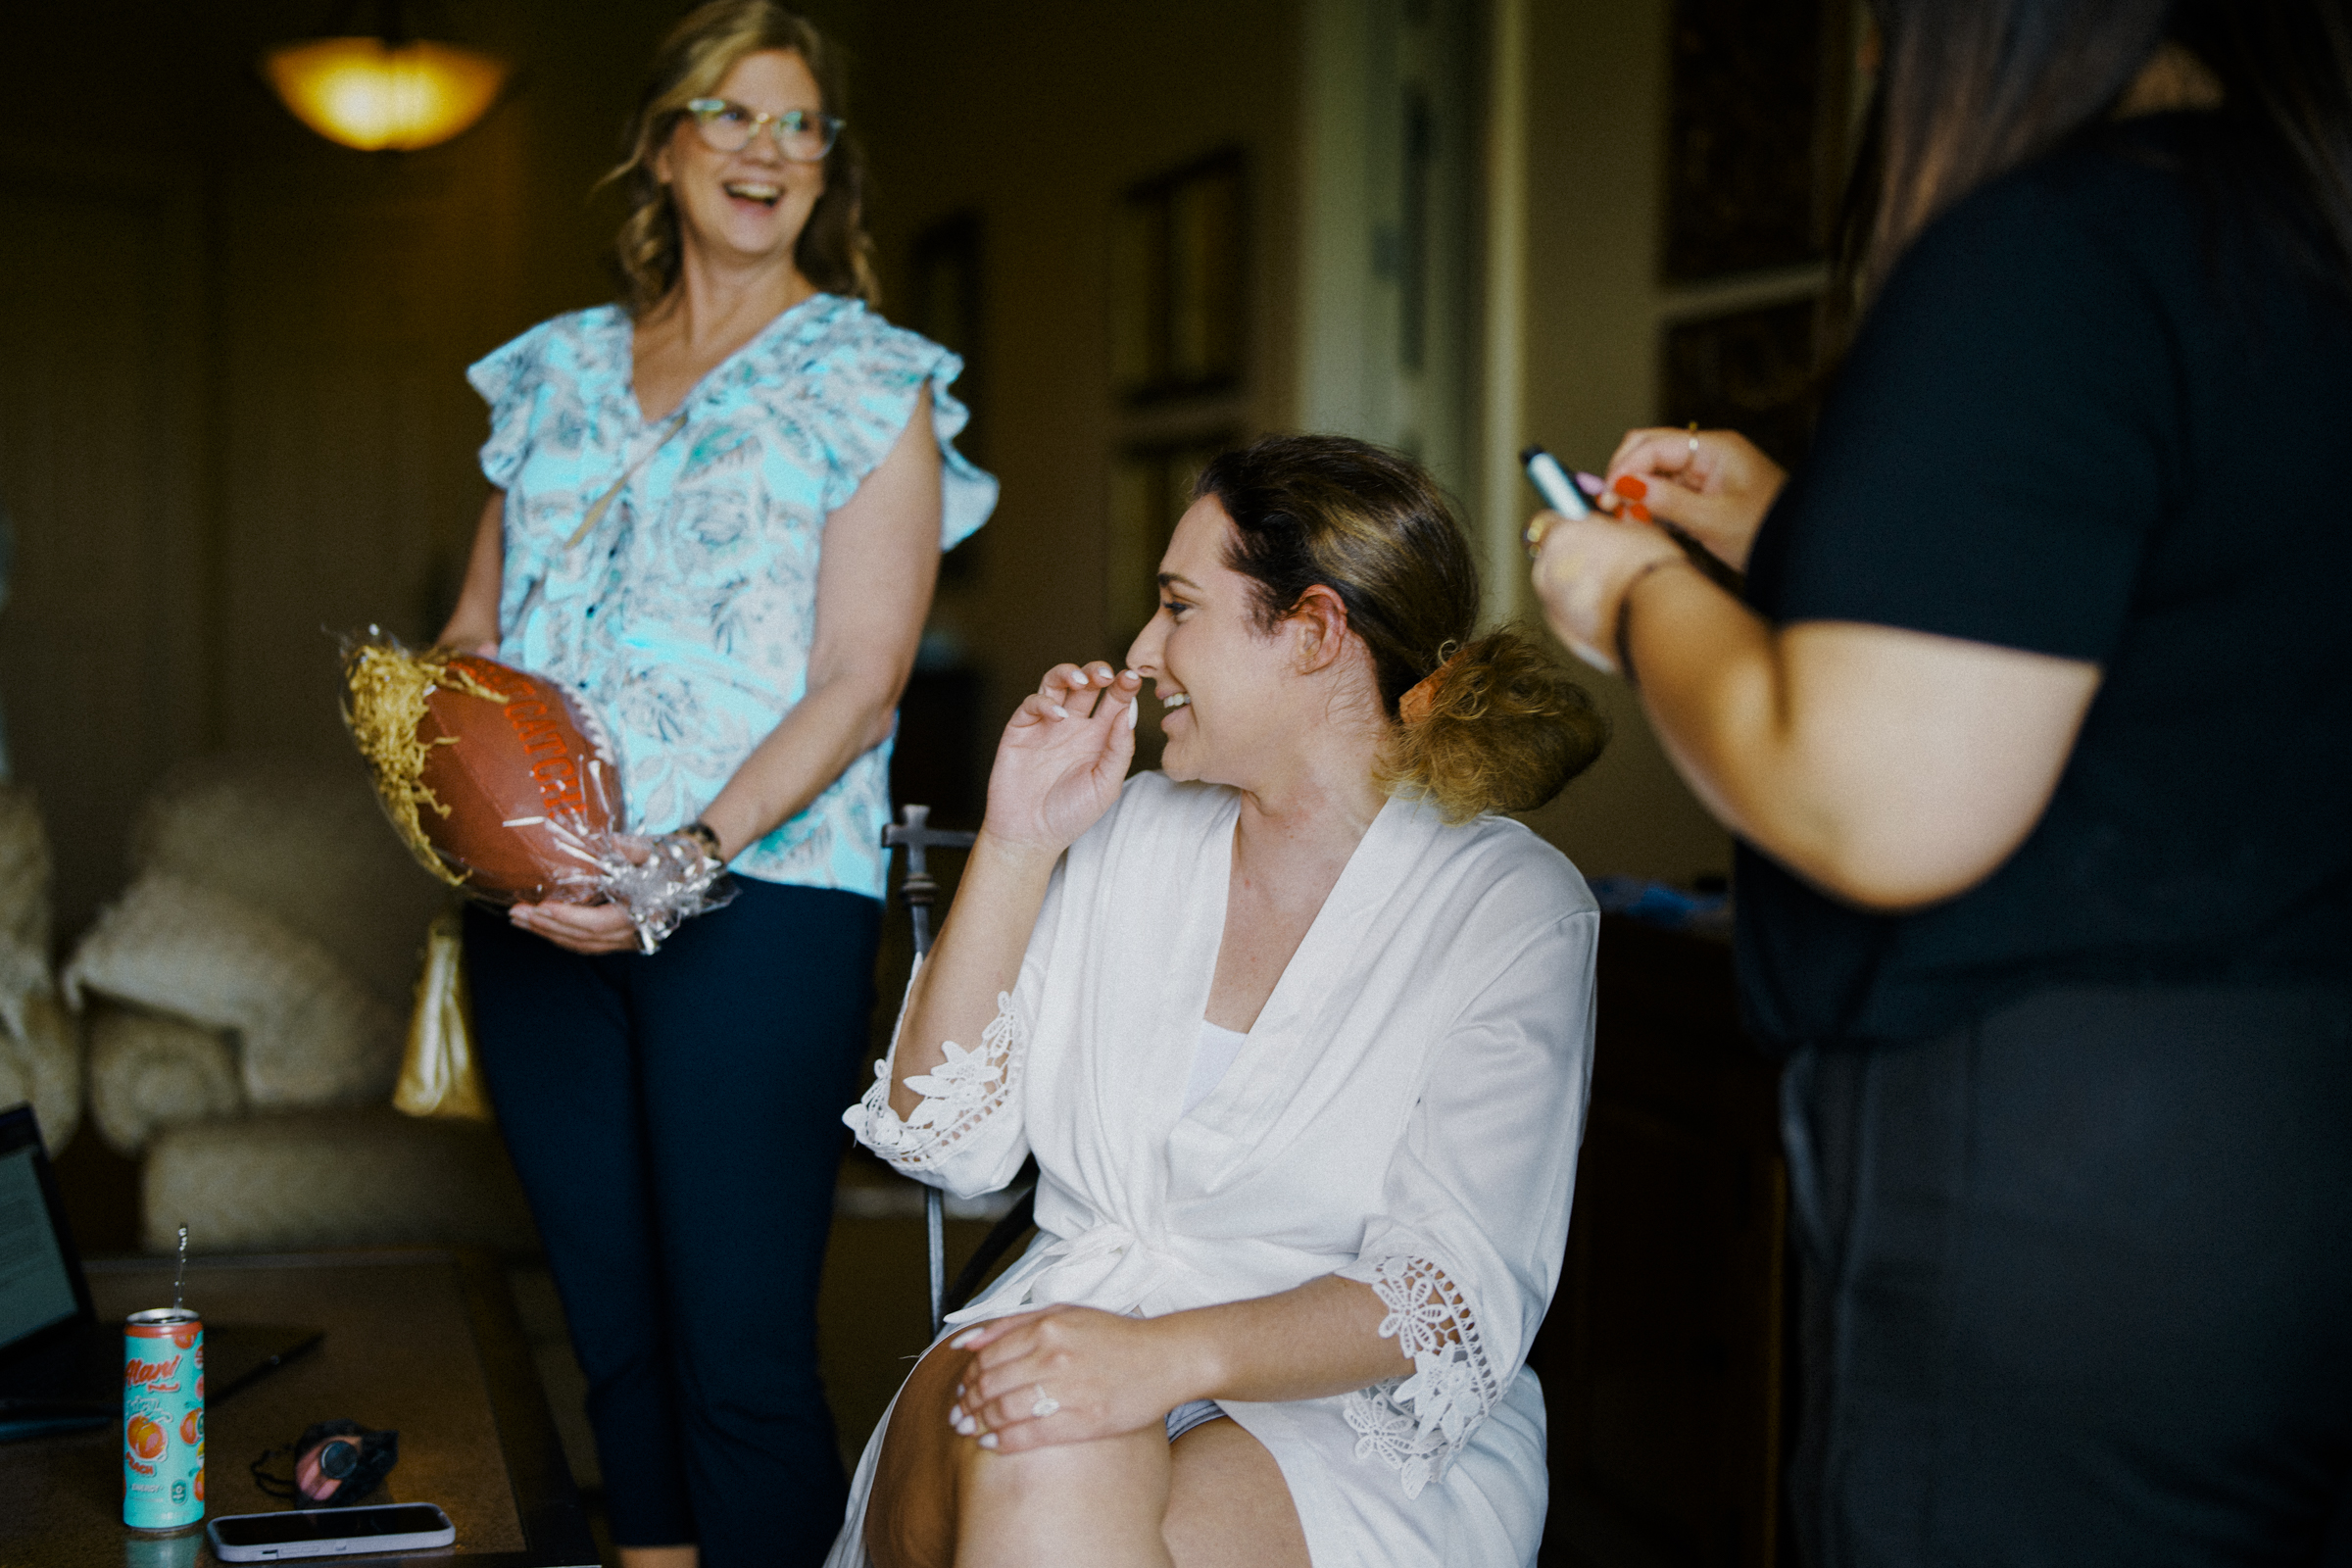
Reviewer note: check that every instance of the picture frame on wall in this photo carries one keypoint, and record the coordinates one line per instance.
(1758, 132)
(1179, 264)
(1750, 370)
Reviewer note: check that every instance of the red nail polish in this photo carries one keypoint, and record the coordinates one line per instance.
(1632, 487)
(1636, 511)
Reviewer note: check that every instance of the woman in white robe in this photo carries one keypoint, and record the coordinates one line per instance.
(1300, 1036)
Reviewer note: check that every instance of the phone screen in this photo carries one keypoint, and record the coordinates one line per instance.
(328, 1523)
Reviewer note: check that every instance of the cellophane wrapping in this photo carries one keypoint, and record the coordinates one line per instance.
(549, 837)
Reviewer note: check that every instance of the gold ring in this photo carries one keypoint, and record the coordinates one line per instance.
(1694, 438)
(1536, 528)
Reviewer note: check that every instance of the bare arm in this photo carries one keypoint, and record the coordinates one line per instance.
(1058, 768)
(473, 624)
(873, 588)
(1890, 767)
(1109, 1374)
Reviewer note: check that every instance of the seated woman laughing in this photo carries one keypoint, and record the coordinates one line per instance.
(1299, 1031)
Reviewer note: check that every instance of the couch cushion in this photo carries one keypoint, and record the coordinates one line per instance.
(149, 1070)
(308, 1034)
(298, 1181)
(40, 1045)
(302, 842)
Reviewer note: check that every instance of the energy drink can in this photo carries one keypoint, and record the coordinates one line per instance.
(163, 1419)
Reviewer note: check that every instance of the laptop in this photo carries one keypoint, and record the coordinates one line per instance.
(60, 1369)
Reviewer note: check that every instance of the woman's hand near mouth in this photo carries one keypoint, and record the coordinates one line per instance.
(1064, 757)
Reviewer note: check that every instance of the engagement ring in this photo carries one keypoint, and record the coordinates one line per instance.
(1046, 1403)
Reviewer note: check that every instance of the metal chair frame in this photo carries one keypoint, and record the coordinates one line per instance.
(920, 889)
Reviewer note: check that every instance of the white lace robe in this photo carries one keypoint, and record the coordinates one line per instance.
(1405, 1111)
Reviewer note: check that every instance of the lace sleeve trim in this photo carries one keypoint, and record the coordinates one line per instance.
(958, 1094)
(1452, 1385)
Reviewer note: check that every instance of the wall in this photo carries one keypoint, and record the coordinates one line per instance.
(233, 423)
(1592, 141)
(1038, 116)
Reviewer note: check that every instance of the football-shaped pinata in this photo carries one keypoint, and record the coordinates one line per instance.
(493, 779)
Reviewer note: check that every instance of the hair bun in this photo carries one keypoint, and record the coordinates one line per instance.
(1503, 728)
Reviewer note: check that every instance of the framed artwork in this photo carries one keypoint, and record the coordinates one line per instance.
(1755, 134)
(1748, 370)
(1179, 254)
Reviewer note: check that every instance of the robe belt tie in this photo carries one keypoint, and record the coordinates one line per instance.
(1107, 1266)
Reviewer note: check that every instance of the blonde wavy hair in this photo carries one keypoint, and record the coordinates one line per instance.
(1500, 727)
(834, 251)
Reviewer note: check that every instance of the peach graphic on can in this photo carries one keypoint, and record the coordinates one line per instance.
(145, 1437)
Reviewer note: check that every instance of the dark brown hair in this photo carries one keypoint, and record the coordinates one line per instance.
(833, 250)
(1969, 89)
(1506, 728)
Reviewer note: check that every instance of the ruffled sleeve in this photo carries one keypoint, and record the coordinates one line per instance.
(1467, 1249)
(870, 380)
(510, 380)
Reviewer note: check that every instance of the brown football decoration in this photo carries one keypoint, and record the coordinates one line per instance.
(492, 775)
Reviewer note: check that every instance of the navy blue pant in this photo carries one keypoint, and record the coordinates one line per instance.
(676, 1121)
(2078, 1289)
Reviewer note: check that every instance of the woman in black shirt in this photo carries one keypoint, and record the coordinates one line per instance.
(2037, 730)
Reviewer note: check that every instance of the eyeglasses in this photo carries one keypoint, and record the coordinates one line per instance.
(801, 137)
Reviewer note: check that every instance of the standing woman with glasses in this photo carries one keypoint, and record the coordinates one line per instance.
(2035, 728)
(719, 510)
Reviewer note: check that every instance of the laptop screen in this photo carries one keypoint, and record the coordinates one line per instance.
(37, 1281)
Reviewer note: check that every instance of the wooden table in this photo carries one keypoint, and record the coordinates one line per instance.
(426, 1342)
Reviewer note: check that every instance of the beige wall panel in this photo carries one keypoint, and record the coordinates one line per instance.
(1595, 135)
(101, 468)
(1040, 115)
(355, 290)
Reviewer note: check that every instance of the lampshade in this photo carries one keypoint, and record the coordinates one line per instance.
(371, 94)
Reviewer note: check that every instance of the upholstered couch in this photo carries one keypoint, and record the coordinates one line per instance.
(246, 1000)
(41, 1051)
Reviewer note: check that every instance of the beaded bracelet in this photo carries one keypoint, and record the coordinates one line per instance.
(707, 836)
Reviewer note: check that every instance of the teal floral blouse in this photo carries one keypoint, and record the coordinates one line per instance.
(681, 614)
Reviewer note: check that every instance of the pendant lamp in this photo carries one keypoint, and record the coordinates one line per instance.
(388, 90)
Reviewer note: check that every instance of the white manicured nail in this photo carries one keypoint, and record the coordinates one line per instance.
(987, 1440)
(1133, 708)
(1060, 712)
(962, 1340)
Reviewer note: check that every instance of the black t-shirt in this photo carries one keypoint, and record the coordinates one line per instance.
(2096, 415)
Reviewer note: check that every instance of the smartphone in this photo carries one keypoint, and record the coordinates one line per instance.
(1560, 494)
(329, 1532)
(1552, 483)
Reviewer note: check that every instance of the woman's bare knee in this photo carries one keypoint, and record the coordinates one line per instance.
(1228, 1504)
(910, 1515)
(1098, 1502)
(940, 1499)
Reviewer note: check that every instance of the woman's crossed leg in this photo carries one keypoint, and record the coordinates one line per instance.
(1211, 1498)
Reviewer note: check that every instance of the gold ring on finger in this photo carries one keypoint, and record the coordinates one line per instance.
(1536, 528)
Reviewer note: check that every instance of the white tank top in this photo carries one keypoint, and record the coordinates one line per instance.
(1210, 1058)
